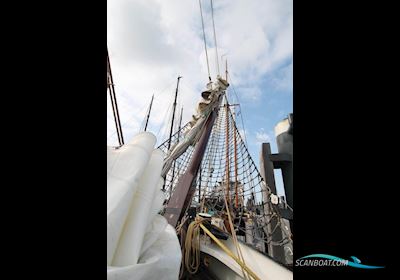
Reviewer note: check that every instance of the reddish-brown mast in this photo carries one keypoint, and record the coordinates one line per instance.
(227, 140)
(227, 151)
(185, 189)
(236, 171)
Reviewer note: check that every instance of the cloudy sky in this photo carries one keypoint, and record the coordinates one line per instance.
(152, 42)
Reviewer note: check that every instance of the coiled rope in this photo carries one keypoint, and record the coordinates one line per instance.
(192, 246)
(191, 256)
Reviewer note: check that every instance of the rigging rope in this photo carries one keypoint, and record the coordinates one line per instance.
(252, 189)
(128, 121)
(135, 114)
(205, 44)
(241, 113)
(229, 252)
(215, 37)
(164, 125)
(234, 237)
(191, 250)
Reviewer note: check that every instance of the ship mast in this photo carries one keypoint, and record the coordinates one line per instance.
(148, 114)
(173, 166)
(172, 123)
(111, 89)
(227, 144)
(173, 114)
(181, 197)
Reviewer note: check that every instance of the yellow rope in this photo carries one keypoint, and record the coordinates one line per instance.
(192, 246)
(234, 237)
(229, 252)
(191, 256)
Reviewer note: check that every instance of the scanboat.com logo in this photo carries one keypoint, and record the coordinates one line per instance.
(328, 260)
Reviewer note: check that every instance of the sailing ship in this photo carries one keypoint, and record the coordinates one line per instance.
(197, 206)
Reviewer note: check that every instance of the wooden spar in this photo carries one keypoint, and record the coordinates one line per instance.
(173, 166)
(148, 114)
(200, 184)
(110, 84)
(236, 171)
(182, 196)
(226, 70)
(172, 122)
(173, 114)
(227, 195)
(234, 143)
(227, 140)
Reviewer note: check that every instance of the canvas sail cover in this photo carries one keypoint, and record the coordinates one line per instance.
(140, 243)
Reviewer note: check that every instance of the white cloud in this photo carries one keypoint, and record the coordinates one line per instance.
(250, 93)
(283, 78)
(151, 42)
(262, 136)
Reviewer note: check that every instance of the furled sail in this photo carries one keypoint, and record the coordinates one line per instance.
(210, 98)
(140, 243)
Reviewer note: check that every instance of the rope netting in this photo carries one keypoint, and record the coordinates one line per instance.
(249, 195)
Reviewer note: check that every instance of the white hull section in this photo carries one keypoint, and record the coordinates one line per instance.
(226, 268)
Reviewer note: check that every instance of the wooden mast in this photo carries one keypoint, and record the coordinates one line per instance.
(173, 113)
(182, 196)
(236, 171)
(173, 166)
(111, 89)
(148, 114)
(227, 194)
(234, 144)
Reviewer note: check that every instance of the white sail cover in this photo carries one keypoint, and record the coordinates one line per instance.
(140, 243)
